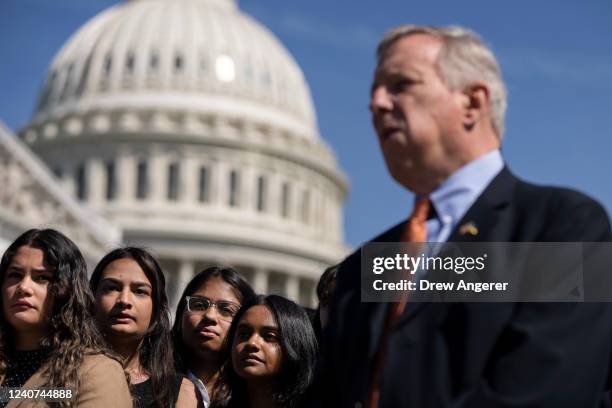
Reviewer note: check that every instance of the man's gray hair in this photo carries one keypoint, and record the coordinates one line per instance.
(464, 59)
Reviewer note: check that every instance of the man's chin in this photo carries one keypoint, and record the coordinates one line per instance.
(402, 177)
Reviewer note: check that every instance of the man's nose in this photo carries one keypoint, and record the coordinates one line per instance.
(380, 100)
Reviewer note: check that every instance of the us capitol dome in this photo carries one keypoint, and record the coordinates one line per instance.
(188, 125)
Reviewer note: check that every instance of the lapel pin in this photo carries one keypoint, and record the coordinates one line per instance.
(469, 228)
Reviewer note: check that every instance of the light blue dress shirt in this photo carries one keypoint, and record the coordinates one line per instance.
(200, 387)
(458, 192)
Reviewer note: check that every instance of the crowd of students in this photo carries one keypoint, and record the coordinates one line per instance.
(110, 341)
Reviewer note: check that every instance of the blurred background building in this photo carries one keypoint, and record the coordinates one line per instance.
(186, 127)
(31, 197)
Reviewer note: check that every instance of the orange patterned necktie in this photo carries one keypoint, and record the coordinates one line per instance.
(415, 231)
(416, 227)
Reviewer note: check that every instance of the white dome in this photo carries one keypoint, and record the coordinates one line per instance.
(190, 127)
(201, 56)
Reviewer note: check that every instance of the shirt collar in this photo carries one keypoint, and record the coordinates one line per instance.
(458, 192)
(200, 386)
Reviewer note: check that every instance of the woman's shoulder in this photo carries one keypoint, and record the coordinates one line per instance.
(102, 382)
(99, 361)
(187, 395)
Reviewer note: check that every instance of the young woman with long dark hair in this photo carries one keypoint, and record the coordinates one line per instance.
(133, 313)
(272, 356)
(48, 336)
(203, 317)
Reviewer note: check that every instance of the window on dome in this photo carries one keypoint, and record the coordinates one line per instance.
(111, 181)
(178, 62)
(234, 187)
(142, 180)
(52, 79)
(225, 68)
(203, 195)
(83, 76)
(130, 62)
(285, 198)
(66, 86)
(80, 181)
(173, 182)
(261, 194)
(57, 171)
(154, 62)
(108, 65)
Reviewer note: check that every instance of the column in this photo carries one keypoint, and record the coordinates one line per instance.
(295, 200)
(292, 288)
(125, 174)
(96, 182)
(330, 228)
(219, 184)
(67, 180)
(248, 191)
(158, 178)
(189, 181)
(317, 212)
(183, 276)
(337, 214)
(260, 281)
(274, 195)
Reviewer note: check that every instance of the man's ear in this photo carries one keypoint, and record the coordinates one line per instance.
(475, 104)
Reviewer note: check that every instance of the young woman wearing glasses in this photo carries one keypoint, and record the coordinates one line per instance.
(206, 310)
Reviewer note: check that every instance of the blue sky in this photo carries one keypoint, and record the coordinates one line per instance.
(556, 56)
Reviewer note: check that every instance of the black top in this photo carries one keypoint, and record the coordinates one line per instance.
(21, 365)
(143, 392)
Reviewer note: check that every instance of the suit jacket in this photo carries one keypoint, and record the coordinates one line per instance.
(102, 385)
(478, 354)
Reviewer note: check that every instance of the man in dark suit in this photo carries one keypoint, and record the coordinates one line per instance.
(438, 104)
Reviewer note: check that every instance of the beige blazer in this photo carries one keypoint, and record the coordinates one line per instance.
(102, 385)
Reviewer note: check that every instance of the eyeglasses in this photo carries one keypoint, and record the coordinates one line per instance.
(198, 304)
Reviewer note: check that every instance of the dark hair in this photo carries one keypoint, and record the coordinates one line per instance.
(326, 284)
(155, 350)
(325, 290)
(242, 290)
(299, 354)
(73, 333)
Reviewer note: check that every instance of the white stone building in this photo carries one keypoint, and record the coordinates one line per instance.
(30, 197)
(189, 127)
